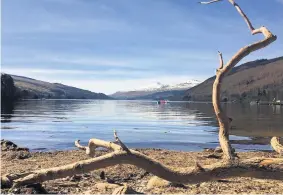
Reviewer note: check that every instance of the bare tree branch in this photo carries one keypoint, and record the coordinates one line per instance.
(220, 60)
(223, 120)
(209, 2)
(95, 143)
(243, 15)
(120, 142)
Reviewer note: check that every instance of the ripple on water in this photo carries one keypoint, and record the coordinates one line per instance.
(55, 124)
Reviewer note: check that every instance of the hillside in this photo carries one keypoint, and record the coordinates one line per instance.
(169, 95)
(156, 91)
(8, 88)
(256, 80)
(27, 88)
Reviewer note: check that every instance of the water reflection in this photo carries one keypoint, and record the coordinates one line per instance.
(55, 124)
(7, 111)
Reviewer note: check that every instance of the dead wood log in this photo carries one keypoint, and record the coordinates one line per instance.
(240, 168)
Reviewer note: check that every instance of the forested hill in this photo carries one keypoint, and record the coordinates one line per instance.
(28, 88)
(255, 80)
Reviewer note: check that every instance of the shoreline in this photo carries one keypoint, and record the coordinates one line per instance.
(244, 145)
(136, 178)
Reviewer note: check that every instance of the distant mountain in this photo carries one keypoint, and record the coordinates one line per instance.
(155, 91)
(255, 80)
(27, 88)
(169, 95)
(157, 87)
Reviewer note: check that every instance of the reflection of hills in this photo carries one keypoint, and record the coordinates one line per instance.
(253, 121)
(7, 111)
(256, 120)
(176, 111)
(25, 111)
(248, 120)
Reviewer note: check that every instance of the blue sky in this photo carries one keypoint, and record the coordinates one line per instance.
(111, 45)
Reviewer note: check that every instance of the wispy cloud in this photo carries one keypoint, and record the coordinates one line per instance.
(78, 73)
(126, 41)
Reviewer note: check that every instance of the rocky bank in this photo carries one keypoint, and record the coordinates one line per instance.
(137, 180)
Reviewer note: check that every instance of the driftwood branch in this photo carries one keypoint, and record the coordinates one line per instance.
(220, 60)
(246, 168)
(223, 120)
(124, 147)
(95, 143)
(209, 2)
(238, 8)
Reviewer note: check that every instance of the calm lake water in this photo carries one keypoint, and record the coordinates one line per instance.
(56, 124)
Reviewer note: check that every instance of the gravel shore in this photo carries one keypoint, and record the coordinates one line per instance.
(136, 178)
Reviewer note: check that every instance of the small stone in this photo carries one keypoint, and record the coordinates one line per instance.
(23, 149)
(102, 175)
(208, 150)
(157, 182)
(109, 180)
(124, 190)
(86, 175)
(88, 192)
(105, 186)
(204, 184)
(5, 182)
(85, 184)
(218, 149)
(16, 191)
(178, 185)
(23, 155)
(29, 190)
(66, 178)
(33, 189)
(75, 178)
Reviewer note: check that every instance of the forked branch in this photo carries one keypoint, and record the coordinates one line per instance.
(223, 120)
